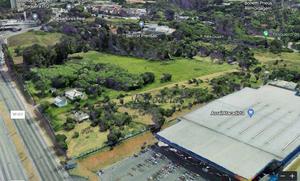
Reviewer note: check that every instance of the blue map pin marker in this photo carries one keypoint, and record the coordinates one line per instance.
(250, 112)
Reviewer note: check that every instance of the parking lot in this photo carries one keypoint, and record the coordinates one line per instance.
(155, 164)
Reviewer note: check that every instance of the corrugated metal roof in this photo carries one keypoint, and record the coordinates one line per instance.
(241, 144)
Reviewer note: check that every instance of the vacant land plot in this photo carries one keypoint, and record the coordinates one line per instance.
(29, 38)
(89, 166)
(89, 138)
(181, 69)
(34, 37)
(292, 60)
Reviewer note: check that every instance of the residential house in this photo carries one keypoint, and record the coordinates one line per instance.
(157, 29)
(60, 101)
(81, 116)
(74, 94)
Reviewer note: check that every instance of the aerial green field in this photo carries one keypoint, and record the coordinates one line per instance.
(29, 38)
(181, 69)
(34, 37)
(292, 60)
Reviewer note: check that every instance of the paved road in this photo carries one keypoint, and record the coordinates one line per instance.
(43, 158)
(11, 167)
(10, 164)
(5, 35)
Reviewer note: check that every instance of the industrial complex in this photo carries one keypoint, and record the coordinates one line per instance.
(224, 134)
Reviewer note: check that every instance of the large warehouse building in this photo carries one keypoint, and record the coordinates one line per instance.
(240, 144)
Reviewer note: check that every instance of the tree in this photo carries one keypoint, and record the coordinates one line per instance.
(148, 77)
(42, 87)
(276, 46)
(60, 82)
(119, 1)
(113, 136)
(166, 78)
(68, 45)
(18, 51)
(75, 135)
(61, 141)
(39, 56)
(244, 56)
(69, 124)
(169, 14)
(44, 105)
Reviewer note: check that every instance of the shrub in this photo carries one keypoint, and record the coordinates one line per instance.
(166, 78)
(148, 77)
(61, 141)
(75, 135)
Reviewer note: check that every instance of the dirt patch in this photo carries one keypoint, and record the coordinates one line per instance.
(89, 166)
(141, 118)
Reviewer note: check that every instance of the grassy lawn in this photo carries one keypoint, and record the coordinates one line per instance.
(89, 166)
(181, 69)
(34, 37)
(29, 38)
(89, 138)
(292, 60)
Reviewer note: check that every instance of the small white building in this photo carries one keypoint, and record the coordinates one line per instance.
(73, 94)
(155, 28)
(81, 116)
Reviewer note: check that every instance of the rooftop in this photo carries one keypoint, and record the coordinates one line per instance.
(241, 144)
(73, 93)
(60, 101)
(284, 84)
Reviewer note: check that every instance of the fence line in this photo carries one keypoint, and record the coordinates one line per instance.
(98, 149)
(27, 95)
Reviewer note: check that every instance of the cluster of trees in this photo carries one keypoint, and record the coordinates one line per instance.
(40, 56)
(79, 11)
(92, 78)
(276, 46)
(108, 118)
(285, 74)
(244, 56)
(61, 141)
(183, 97)
(114, 136)
(69, 124)
(230, 83)
(179, 97)
(158, 114)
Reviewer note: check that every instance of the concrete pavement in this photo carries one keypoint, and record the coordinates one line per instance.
(10, 164)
